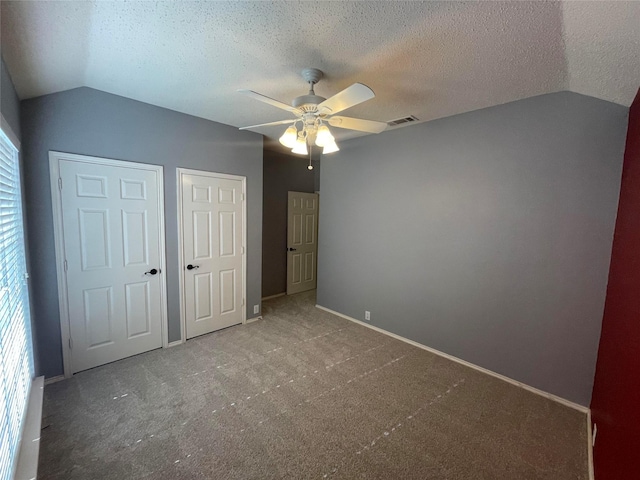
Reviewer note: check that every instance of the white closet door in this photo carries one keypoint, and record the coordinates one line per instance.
(212, 233)
(111, 219)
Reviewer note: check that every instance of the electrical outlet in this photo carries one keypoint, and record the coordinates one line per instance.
(256, 309)
(367, 315)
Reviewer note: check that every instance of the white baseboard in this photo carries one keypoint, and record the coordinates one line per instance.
(254, 319)
(50, 380)
(27, 468)
(537, 391)
(274, 296)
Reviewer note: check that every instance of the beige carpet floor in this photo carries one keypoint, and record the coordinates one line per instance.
(302, 394)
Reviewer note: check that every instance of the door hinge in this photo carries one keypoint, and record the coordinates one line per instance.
(242, 250)
(66, 266)
(60, 183)
(70, 344)
(242, 197)
(243, 302)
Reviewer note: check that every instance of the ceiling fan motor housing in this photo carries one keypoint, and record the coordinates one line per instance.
(308, 103)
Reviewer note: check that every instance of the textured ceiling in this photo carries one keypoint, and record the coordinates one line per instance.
(428, 59)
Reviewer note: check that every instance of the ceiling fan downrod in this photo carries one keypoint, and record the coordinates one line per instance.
(309, 103)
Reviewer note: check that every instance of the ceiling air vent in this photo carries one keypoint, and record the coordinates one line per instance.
(402, 121)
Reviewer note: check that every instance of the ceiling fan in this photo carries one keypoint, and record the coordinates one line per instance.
(313, 112)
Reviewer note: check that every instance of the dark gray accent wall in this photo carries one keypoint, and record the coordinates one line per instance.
(282, 173)
(316, 181)
(486, 235)
(9, 101)
(90, 122)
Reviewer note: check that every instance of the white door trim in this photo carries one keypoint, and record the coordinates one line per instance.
(58, 233)
(180, 172)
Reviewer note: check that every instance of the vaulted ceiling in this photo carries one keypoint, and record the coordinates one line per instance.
(428, 59)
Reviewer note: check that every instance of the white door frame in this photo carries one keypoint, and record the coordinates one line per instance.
(58, 233)
(180, 172)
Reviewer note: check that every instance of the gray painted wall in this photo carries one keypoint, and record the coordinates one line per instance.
(486, 235)
(10, 108)
(9, 102)
(91, 122)
(282, 173)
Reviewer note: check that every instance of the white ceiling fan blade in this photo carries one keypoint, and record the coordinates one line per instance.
(357, 124)
(279, 122)
(270, 101)
(350, 96)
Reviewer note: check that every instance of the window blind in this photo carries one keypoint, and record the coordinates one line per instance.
(16, 358)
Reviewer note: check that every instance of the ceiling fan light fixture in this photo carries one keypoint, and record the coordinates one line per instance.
(330, 148)
(300, 146)
(289, 137)
(324, 136)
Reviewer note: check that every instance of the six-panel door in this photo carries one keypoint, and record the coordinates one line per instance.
(212, 217)
(302, 241)
(112, 238)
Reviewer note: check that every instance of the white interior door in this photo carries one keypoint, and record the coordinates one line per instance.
(112, 240)
(212, 225)
(302, 242)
